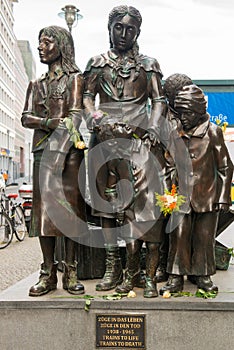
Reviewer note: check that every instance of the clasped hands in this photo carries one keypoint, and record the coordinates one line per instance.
(122, 130)
(112, 131)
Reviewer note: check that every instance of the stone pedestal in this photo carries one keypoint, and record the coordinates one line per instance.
(59, 321)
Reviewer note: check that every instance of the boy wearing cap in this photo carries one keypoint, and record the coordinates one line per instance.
(203, 174)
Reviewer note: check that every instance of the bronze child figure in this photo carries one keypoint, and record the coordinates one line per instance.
(58, 206)
(172, 85)
(205, 180)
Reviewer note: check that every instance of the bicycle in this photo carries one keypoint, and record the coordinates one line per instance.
(12, 219)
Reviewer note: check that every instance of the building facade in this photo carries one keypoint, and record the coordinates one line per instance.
(14, 139)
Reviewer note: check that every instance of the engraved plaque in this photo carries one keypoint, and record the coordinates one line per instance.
(120, 331)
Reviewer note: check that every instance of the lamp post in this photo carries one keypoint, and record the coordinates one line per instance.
(71, 15)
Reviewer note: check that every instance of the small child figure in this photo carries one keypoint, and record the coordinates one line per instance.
(192, 241)
(121, 170)
(114, 134)
(172, 85)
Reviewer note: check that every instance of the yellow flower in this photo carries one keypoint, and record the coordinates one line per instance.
(80, 145)
(131, 294)
(224, 126)
(166, 294)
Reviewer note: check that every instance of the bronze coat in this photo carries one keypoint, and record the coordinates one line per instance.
(124, 95)
(204, 172)
(204, 167)
(125, 100)
(58, 205)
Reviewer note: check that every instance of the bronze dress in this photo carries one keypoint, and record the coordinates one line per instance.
(124, 88)
(58, 173)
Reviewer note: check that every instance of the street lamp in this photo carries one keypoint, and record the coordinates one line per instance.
(71, 15)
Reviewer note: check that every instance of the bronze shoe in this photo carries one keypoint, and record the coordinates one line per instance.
(174, 284)
(131, 280)
(205, 283)
(150, 290)
(47, 281)
(70, 281)
(114, 271)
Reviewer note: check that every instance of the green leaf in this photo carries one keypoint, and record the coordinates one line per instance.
(66, 205)
(182, 294)
(114, 296)
(87, 304)
(231, 252)
(73, 138)
(200, 293)
(69, 124)
(87, 296)
(135, 136)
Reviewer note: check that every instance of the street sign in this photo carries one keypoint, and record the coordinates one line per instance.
(220, 105)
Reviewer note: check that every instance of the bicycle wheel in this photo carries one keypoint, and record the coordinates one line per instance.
(6, 231)
(20, 227)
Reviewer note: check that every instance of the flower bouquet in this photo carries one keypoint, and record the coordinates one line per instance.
(169, 201)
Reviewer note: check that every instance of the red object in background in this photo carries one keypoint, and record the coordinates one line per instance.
(26, 193)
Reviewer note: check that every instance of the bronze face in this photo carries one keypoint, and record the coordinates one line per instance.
(189, 119)
(124, 32)
(48, 49)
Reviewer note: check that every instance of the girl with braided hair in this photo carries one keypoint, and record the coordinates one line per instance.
(125, 80)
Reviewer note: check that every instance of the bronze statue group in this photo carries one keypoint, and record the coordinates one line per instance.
(144, 139)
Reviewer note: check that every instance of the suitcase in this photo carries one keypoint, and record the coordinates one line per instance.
(91, 254)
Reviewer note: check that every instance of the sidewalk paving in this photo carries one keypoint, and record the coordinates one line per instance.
(19, 260)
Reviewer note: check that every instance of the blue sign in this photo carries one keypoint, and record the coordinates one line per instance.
(220, 105)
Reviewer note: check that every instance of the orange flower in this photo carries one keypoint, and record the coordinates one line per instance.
(173, 190)
(172, 206)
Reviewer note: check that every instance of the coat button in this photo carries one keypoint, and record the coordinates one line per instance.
(192, 155)
(191, 174)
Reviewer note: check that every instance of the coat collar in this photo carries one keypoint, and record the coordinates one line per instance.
(113, 54)
(57, 75)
